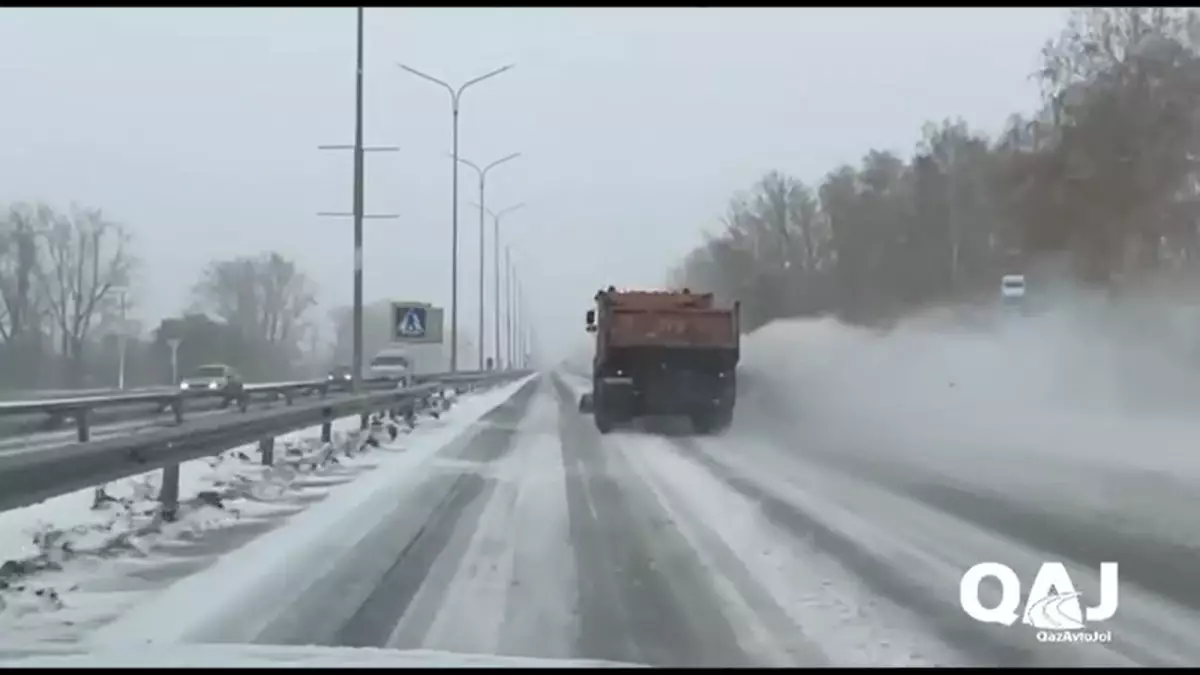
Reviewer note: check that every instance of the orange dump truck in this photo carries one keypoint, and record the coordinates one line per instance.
(663, 353)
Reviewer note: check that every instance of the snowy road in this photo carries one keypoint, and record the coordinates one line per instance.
(776, 544)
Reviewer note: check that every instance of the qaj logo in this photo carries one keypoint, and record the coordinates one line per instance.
(1053, 603)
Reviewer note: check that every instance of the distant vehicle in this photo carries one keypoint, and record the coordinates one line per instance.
(215, 377)
(340, 374)
(1012, 289)
(392, 363)
(663, 353)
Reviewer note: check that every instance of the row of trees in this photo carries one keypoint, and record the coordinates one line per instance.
(1102, 179)
(65, 276)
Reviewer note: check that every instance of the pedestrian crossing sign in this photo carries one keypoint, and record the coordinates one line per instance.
(413, 323)
(416, 323)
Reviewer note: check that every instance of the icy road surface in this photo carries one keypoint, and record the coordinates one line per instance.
(831, 525)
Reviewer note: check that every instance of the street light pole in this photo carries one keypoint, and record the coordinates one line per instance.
(508, 342)
(513, 315)
(520, 307)
(358, 207)
(122, 338)
(357, 212)
(496, 311)
(496, 269)
(483, 241)
(455, 96)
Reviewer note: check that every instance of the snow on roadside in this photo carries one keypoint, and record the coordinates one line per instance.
(240, 593)
(51, 552)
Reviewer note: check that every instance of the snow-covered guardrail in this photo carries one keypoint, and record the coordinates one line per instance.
(32, 475)
(154, 401)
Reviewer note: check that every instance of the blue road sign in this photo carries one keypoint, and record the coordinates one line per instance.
(411, 323)
(416, 323)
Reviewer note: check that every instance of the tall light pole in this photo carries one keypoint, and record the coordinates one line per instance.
(520, 323)
(482, 238)
(357, 213)
(122, 336)
(496, 217)
(455, 96)
(496, 307)
(515, 313)
(508, 341)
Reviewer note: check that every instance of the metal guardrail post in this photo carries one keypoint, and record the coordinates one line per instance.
(168, 496)
(81, 425)
(266, 447)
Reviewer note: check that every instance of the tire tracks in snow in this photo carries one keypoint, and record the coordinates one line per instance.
(1019, 525)
(512, 591)
(913, 553)
(790, 601)
(644, 595)
(383, 580)
(1149, 557)
(941, 615)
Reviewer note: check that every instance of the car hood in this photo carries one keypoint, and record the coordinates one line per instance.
(267, 656)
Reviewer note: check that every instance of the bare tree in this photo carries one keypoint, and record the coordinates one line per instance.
(20, 234)
(85, 256)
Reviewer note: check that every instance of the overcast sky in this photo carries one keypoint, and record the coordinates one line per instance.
(198, 129)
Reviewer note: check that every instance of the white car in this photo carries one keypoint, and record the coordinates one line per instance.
(392, 364)
(1012, 288)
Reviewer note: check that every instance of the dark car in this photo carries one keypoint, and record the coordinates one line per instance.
(340, 374)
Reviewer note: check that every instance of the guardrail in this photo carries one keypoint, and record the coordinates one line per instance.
(32, 475)
(80, 408)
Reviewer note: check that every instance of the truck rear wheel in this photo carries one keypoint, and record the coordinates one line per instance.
(600, 412)
(712, 421)
(604, 422)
